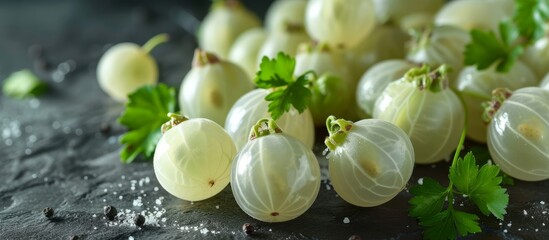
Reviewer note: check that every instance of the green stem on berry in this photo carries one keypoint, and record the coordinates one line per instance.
(175, 119)
(264, 127)
(499, 95)
(338, 130)
(424, 78)
(155, 41)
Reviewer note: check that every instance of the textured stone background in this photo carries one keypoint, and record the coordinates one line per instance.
(53, 154)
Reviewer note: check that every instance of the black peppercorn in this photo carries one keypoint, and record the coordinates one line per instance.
(110, 212)
(355, 237)
(139, 220)
(48, 212)
(105, 128)
(74, 237)
(248, 228)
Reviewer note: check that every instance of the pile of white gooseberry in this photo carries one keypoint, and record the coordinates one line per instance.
(371, 54)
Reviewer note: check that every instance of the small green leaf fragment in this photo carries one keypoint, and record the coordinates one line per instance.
(146, 111)
(450, 223)
(428, 198)
(481, 186)
(275, 72)
(530, 17)
(22, 84)
(484, 49)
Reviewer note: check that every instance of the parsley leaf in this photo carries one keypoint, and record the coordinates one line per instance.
(277, 74)
(146, 110)
(450, 223)
(486, 49)
(530, 17)
(23, 84)
(429, 198)
(481, 186)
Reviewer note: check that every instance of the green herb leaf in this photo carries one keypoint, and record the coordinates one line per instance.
(23, 84)
(146, 110)
(277, 74)
(482, 186)
(530, 17)
(428, 198)
(485, 49)
(450, 223)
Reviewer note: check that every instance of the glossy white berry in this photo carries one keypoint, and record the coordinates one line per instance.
(211, 87)
(537, 56)
(518, 135)
(376, 79)
(432, 118)
(545, 83)
(394, 10)
(475, 14)
(370, 161)
(127, 66)
(475, 87)
(441, 45)
(275, 178)
(222, 26)
(282, 12)
(286, 41)
(252, 107)
(245, 50)
(340, 23)
(192, 160)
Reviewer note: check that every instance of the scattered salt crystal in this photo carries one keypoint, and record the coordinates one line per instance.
(543, 224)
(147, 180)
(85, 177)
(137, 202)
(216, 206)
(28, 151)
(94, 215)
(270, 230)
(114, 193)
(328, 187)
(509, 224)
(520, 229)
(505, 230)
(94, 228)
(104, 200)
(420, 181)
(120, 197)
(32, 138)
(120, 185)
(536, 230)
(123, 177)
(524, 212)
(346, 220)
(159, 201)
(34, 175)
(130, 238)
(163, 220)
(542, 202)
(105, 190)
(156, 189)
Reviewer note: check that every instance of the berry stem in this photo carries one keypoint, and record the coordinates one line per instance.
(175, 119)
(499, 95)
(155, 41)
(202, 58)
(264, 127)
(338, 130)
(424, 78)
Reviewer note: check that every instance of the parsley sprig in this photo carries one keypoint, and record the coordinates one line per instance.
(22, 84)
(486, 49)
(146, 110)
(435, 206)
(277, 74)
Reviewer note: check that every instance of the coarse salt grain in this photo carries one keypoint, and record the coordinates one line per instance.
(420, 181)
(346, 220)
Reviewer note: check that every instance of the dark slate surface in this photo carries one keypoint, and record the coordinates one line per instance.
(54, 154)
